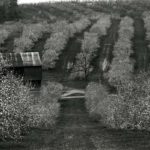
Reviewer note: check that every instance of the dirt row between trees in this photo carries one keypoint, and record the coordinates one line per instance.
(60, 72)
(140, 45)
(105, 52)
(75, 130)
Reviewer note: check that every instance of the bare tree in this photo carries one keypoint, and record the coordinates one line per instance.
(82, 67)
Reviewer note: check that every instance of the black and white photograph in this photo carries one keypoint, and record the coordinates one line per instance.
(74, 74)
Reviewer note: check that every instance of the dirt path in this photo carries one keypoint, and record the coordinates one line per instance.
(60, 73)
(140, 45)
(72, 131)
(39, 45)
(105, 52)
(73, 126)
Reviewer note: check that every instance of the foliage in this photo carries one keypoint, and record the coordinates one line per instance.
(62, 32)
(82, 67)
(44, 116)
(7, 29)
(95, 100)
(18, 110)
(3, 36)
(9, 10)
(22, 44)
(130, 108)
(90, 45)
(13, 9)
(46, 111)
(15, 100)
(54, 46)
(49, 59)
(122, 65)
(60, 26)
(51, 92)
(81, 24)
(102, 25)
(31, 34)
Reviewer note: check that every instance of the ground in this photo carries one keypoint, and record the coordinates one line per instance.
(75, 130)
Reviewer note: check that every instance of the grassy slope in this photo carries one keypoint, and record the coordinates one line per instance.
(105, 51)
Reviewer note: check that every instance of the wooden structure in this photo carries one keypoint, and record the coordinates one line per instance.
(28, 65)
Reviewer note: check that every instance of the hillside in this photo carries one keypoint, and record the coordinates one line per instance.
(94, 92)
(54, 11)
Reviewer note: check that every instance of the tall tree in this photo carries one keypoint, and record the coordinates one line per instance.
(13, 9)
(8, 10)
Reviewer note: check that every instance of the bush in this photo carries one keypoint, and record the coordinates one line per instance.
(3, 36)
(90, 45)
(19, 111)
(44, 116)
(7, 29)
(128, 109)
(46, 111)
(95, 100)
(53, 48)
(62, 32)
(122, 65)
(60, 26)
(49, 59)
(51, 93)
(81, 24)
(102, 25)
(15, 100)
(23, 44)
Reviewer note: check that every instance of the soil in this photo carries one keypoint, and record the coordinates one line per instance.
(39, 45)
(60, 72)
(140, 45)
(105, 51)
(8, 45)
